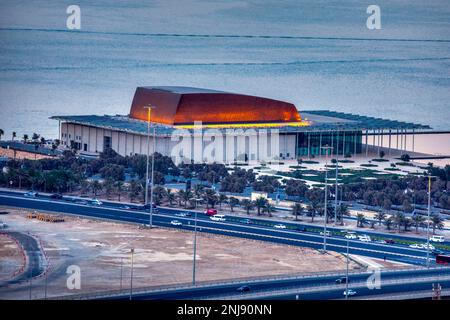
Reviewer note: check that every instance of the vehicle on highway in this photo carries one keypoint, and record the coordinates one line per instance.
(56, 196)
(211, 212)
(430, 246)
(416, 246)
(349, 293)
(437, 238)
(31, 194)
(389, 241)
(364, 238)
(183, 214)
(437, 252)
(243, 289)
(176, 223)
(342, 280)
(351, 235)
(96, 202)
(83, 202)
(279, 226)
(126, 207)
(443, 259)
(246, 221)
(218, 217)
(328, 233)
(147, 207)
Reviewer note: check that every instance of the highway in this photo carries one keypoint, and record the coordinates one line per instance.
(312, 287)
(258, 229)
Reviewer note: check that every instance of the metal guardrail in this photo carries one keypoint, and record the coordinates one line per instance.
(322, 288)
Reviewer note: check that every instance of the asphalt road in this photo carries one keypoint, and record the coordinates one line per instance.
(258, 229)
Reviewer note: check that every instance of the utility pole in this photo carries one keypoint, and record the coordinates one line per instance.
(428, 222)
(149, 111)
(326, 148)
(336, 191)
(346, 272)
(195, 249)
(131, 276)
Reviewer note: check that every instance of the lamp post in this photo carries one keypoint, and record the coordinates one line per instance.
(336, 192)
(131, 276)
(346, 273)
(428, 222)
(149, 111)
(326, 148)
(195, 249)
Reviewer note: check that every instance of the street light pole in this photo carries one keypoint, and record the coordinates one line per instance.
(346, 272)
(149, 111)
(131, 276)
(195, 249)
(326, 148)
(336, 191)
(428, 222)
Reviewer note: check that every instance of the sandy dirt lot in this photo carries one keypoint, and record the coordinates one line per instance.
(162, 256)
(12, 259)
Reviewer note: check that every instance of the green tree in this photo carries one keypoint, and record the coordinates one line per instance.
(260, 203)
(417, 221)
(360, 220)
(247, 205)
(436, 222)
(170, 196)
(297, 210)
(380, 216)
(233, 202)
(118, 185)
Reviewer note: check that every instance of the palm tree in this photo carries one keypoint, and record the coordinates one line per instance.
(222, 198)
(389, 222)
(342, 210)
(268, 208)
(437, 222)
(186, 196)
(1, 133)
(247, 205)
(96, 187)
(297, 210)
(417, 221)
(119, 187)
(398, 219)
(25, 138)
(360, 220)
(210, 197)
(260, 203)
(170, 196)
(14, 135)
(380, 216)
(313, 208)
(109, 188)
(233, 202)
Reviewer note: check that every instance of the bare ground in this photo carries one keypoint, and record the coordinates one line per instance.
(162, 256)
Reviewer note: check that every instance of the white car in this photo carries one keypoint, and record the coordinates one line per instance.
(176, 223)
(96, 202)
(327, 233)
(218, 217)
(430, 246)
(364, 238)
(416, 246)
(279, 226)
(437, 239)
(351, 236)
(349, 292)
(31, 194)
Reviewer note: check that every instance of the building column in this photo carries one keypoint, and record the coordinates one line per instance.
(320, 144)
(413, 136)
(343, 144)
(390, 136)
(354, 151)
(367, 143)
(309, 145)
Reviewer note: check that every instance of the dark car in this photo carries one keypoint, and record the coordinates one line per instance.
(243, 289)
(147, 207)
(342, 280)
(389, 241)
(246, 221)
(56, 196)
